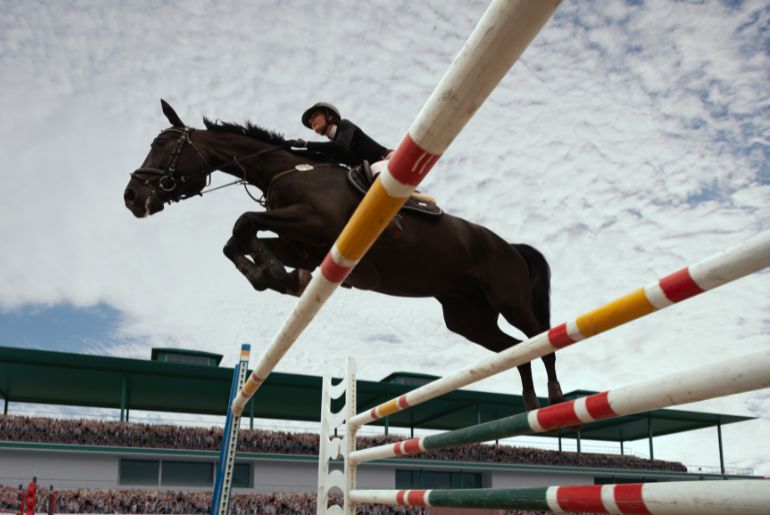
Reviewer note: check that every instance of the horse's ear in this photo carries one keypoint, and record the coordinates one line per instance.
(171, 115)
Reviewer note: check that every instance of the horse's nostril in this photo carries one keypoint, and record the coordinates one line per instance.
(129, 195)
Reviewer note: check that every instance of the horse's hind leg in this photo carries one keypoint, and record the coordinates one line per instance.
(555, 395)
(524, 320)
(515, 304)
(472, 317)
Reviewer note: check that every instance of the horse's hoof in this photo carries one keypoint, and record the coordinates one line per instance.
(232, 249)
(303, 279)
(257, 281)
(530, 400)
(554, 393)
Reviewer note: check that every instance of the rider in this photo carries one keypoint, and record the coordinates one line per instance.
(348, 143)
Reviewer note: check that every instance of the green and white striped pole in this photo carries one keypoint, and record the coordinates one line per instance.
(745, 497)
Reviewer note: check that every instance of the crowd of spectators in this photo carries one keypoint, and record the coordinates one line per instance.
(111, 433)
(152, 501)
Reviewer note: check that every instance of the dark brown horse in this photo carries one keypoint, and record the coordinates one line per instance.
(475, 275)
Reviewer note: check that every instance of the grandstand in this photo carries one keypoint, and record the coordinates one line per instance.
(124, 455)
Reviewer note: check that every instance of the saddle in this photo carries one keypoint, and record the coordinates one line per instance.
(361, 179)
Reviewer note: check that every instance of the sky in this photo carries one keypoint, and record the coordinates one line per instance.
(630, 140)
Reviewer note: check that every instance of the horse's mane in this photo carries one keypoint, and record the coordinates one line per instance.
(254, 131)
(264, 135)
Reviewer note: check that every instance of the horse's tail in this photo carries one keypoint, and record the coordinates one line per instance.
(539, 281)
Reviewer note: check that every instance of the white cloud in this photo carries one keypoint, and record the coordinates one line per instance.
(623, 145)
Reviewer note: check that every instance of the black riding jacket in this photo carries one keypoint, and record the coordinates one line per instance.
(350, 145)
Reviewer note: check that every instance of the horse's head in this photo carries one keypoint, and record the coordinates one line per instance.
(173, 170)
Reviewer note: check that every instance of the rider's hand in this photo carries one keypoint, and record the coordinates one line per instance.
(297, 143)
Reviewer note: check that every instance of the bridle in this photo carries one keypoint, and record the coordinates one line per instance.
(168, 182)
(166, 179)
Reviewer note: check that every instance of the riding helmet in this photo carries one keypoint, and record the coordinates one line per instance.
(329, 109)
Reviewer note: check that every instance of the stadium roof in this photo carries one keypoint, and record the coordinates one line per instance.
(58, 378)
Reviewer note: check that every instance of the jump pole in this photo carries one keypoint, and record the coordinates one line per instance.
(504, 31)
(743, 259)
(751, 372)
(745, 497)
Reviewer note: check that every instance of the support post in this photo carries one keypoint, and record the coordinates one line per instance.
(578, 443)
(124, 400)
(5, 405)
(387, 425)
(621, 441)
(559, 440)
(649, 432)
(251, 413)
(721, 450)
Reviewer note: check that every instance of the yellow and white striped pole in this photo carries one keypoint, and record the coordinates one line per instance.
(729, 265)
(504, 31)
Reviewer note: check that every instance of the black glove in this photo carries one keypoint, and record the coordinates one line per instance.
(296, 143)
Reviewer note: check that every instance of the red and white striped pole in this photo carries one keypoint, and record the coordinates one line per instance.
(505, 30)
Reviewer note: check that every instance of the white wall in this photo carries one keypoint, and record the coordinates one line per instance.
(376, 477)
(275, 476)
(505, 479)
(97, 470)
(272, 476)
(60, 469)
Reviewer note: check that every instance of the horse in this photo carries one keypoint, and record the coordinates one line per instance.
(474, 274)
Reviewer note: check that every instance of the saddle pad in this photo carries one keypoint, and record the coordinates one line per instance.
(360, 178)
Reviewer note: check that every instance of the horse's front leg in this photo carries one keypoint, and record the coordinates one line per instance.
(258, 262)
(263, 270)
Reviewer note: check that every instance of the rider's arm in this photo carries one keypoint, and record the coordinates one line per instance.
(341, 143)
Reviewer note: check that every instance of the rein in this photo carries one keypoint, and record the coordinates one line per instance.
(264, 199)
